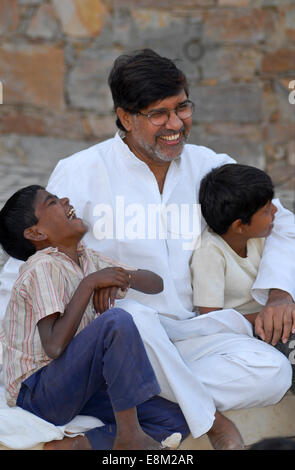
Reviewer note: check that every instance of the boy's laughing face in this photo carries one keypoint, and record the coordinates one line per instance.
(57, 219)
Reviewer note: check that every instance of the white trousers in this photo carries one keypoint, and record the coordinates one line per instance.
(210, 362)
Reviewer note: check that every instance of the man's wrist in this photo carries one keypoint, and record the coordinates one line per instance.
(279, 295)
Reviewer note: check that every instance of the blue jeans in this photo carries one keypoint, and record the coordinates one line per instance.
(104, 369)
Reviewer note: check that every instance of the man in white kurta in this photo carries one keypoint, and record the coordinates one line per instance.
(225, 367)
(203, 363)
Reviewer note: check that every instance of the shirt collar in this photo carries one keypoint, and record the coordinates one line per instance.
(50, 250)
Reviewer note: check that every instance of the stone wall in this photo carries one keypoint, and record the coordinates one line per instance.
(55, 55)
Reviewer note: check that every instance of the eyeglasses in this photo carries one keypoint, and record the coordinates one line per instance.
(159, 117)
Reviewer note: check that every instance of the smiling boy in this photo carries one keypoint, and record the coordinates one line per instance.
(59, 358)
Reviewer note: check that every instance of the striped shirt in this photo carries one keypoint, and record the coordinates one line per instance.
(45, 285)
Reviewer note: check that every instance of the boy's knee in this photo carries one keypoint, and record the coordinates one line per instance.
(118, 318)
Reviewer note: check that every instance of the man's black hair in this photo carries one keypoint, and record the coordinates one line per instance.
(233, 192)
(18, 214)
(141, 78)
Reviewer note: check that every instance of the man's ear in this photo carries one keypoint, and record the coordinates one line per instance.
(34, 235)
(238, 226)
(125, 118)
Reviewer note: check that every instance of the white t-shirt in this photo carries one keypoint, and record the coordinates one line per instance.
(223, 279)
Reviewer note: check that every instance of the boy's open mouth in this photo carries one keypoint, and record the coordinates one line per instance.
(71, 214)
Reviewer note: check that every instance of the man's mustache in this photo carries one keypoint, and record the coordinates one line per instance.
(170, 133)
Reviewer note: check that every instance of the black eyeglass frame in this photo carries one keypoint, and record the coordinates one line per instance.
(168, 112)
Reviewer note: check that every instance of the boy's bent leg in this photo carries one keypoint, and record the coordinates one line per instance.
(158, 417)
(107, 358)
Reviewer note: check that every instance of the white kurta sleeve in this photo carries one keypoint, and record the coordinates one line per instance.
(277, 267)
(208, 277)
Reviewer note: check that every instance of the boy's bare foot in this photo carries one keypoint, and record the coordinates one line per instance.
(140, 441)
(224, 435)
(69, 443)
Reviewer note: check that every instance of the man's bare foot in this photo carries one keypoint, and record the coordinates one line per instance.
(224, 435)
(139, 441)
(69, 443)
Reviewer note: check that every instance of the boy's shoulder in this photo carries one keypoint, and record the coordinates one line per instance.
(35, 262)
(210, 239)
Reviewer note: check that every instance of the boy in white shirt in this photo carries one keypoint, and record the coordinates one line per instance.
(236, 202)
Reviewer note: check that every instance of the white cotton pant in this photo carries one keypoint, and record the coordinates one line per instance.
(226, 369)
(240, 373)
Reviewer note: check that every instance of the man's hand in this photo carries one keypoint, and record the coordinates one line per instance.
(277, 319)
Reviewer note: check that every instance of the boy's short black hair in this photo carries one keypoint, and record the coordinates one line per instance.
(18, 214)
(140, 78)
(232, 192)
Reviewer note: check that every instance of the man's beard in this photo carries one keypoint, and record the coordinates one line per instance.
(155, 154)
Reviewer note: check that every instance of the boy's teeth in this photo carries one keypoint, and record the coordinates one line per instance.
(71, 214)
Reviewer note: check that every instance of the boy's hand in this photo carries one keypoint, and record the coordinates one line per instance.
(104, 298)
(109, 277)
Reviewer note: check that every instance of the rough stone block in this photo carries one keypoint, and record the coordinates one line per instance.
(20, 122)
(230, 63)
(100, 126)
(239, 25)
(234, 3)
(32, 74)
(32, 122)
(280, 61)
(289, 17)
(280, 171)
(169, 4)
(227, 102)
(279, 132)
(239, 148)
(291, 154)
(87, 83)
(44, 23)
(30, 2)
(81, 18)
(9, 16)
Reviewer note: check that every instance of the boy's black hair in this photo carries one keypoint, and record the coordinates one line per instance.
(141, 78)
(18, 214)
(232, 192)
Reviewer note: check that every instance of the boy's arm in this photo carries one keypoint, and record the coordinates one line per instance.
(140, 279)
(203, 310)
(146, 281)
(251, 317)
(57, 330)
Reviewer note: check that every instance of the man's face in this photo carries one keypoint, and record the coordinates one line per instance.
(160, 143)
